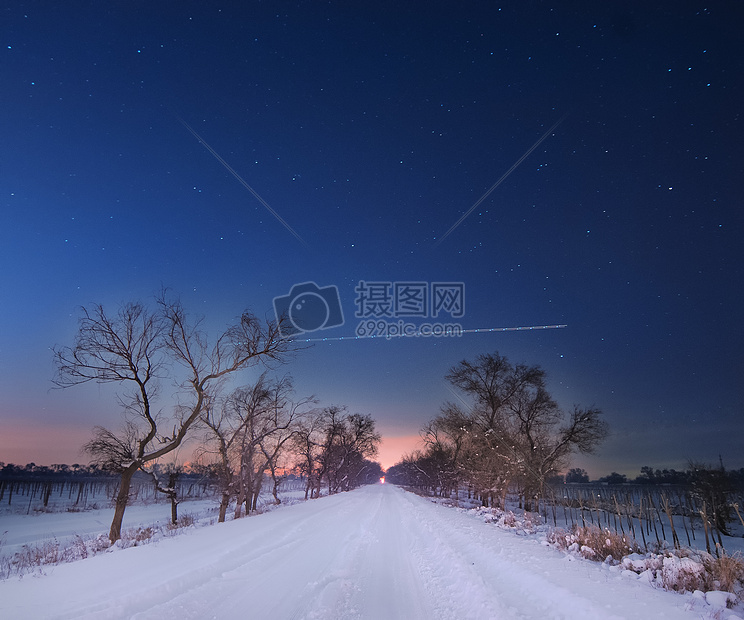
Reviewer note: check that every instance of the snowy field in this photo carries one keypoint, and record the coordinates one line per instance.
(377, 552)
(61, 526)
(17, 530)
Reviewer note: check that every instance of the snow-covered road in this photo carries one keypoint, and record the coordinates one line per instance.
(377, 552)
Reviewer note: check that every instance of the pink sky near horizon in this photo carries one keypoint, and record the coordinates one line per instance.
(28, 442)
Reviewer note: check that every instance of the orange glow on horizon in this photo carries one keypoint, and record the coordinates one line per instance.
(393, 448)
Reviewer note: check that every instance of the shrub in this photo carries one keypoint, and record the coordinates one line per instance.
(687, 570)
(726, 570)
(185, 520)
(684, 574)
(594, 543)
(141, 534)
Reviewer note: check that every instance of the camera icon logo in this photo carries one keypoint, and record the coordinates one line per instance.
(308, 308)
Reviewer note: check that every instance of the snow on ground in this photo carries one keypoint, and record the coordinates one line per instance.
(688, 537)
(17, 530)
(377, 552)
(61, 525)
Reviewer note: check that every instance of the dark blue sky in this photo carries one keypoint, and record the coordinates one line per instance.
(371, 128)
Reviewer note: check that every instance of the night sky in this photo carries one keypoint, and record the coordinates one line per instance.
(370, 129)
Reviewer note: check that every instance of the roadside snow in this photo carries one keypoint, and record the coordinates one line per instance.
(17, 530)
(377, 552)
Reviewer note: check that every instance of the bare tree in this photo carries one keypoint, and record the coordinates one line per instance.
(276, 447)
(306, 444)
(348, 440)
(250, 430)
(137, 347)
(517, 430)
(227, 425)
(359, 440)
(334, 447)
(447, 438)
(173, 471)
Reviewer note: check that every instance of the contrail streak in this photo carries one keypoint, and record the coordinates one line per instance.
(500, 181)
(242, 181)
(482, 330)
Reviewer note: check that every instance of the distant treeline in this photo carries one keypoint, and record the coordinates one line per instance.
(10, 471)
(33, 488)
(649, 475)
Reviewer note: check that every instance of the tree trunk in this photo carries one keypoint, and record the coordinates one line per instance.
(257, 485)
(174, 510)
(121, 501)
(275, 490)
(172, 478)
(240, 496)
(224, 503)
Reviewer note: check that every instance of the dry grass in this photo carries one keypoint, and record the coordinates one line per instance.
(683, 570)
(185, 520)
(683, 575)
(138, 536)
(35, 558)
(688, 570)
(594, 543)
(727, 571)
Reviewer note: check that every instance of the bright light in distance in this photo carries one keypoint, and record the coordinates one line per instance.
(382, 480)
